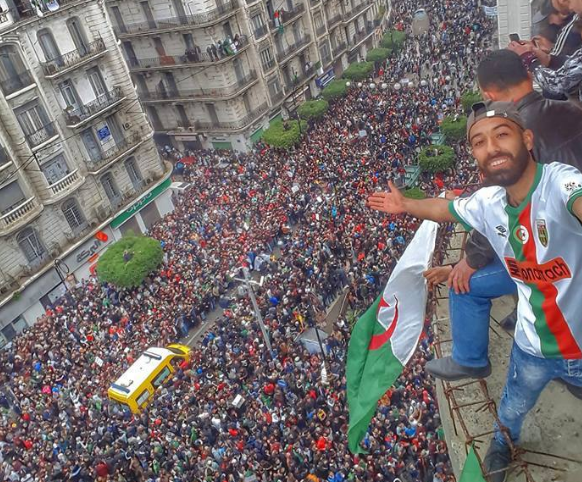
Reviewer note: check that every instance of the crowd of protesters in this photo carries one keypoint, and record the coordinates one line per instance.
(300, 219)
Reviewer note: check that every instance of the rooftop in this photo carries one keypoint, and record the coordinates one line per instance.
(551, 445)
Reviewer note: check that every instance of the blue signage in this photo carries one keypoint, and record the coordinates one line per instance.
(325, 78)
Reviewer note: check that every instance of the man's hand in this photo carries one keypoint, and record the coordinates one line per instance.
(460, 277)
(521, 47)
(438, 275)
(388, 202)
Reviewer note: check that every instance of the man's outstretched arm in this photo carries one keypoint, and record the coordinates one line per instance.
(393, 202)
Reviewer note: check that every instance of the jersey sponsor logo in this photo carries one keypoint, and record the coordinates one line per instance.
(542, 232)
(530, 272)
(521, 234)
(501, 231)
(570, 186)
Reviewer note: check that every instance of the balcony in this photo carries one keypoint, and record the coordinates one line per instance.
(293, 49)
(233, 125)
(24, 11)
(78, 117)
(185, 22)
(181, 61)
(120, 150)
(276, 98)
(350, 14)
(45, 134)
(268, 65)
(300, 78)
(320, 30)
(288, 16)
(16, 83)
(71, 60)
(260, 32)
(363, 34)
(19, 216)
(64, 186)
(339, 49)
(210, 93)
(314, 3)
(334, 20)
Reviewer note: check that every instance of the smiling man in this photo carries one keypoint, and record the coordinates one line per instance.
(532, 216)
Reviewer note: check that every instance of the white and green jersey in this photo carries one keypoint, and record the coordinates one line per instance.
(540, 242)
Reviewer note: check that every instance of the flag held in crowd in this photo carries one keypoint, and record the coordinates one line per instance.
(386, 335)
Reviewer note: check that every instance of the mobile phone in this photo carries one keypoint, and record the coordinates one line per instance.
(514, 37)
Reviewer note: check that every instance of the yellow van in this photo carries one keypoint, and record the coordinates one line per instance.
(136, 387)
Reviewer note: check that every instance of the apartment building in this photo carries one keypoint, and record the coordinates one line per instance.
(211, 74)
(77, 155)
(514, 16)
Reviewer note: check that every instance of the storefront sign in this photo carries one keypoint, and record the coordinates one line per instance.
(144, 201)
(88, 250)
(325, 78)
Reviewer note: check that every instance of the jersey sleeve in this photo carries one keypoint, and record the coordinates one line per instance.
(469, 211)
(569, 184)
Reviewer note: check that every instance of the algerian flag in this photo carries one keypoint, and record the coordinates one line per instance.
(472, 469)
(386, 335)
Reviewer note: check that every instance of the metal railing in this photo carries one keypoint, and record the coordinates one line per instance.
(114, 152)
(291, 49)
(41, 135)
(269, 64)
(276, 98)
(193, 57)
(72, 58)
(233, 125)
(16, 83)
(320, 30)
(18, 213)
(288, 15)
(361, 35)
(261, 32)
(24, 9)
(300, 78)
(64, 183)
(225, 91)
(184, 21)
(355, 10)
(331, 21)
(76, 116)
(339, 48)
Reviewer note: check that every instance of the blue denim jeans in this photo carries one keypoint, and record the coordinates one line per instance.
(527, 376)
(470, 313)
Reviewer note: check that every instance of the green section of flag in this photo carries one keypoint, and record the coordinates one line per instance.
(472, 469)
(369, 375)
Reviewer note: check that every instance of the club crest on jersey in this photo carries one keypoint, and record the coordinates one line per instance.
(521, 234)
(542, 232)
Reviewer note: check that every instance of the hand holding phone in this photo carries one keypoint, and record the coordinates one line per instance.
(514, 37)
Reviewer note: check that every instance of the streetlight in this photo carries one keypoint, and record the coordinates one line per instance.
(249, 287)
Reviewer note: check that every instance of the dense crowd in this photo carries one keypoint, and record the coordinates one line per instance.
(300, 219)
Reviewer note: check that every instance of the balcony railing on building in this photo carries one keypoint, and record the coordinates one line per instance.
(227, 91)
(286, 16)
(365, 32)
(339, 48)
(120, 149)
(300, 78)
(320, 30)
(193, 56)
(65, 184)
(293, 48)
(260, 32)
(74, 117)
(41, 135)
(276, 97)
(314, 2)
(73, 58)
(185, 21)
(233, 125)
(334, 19)
(24, 9)
(19, 214)
(355, 10)
(268, 65)
(17, 82)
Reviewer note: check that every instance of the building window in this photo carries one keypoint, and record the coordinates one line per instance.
(69, 94)
(274, 88)
(258, 25)
(13, 75)
(97, 82)
(35, 123)
(133, 172)
(11, 196)
(110, 189)
(267, 58)
(78, 35)
(55, 169)
(49, 47)
(325, 53)
(74, 215)
(31, 246)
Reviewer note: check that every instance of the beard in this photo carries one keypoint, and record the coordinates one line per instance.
(513, 170)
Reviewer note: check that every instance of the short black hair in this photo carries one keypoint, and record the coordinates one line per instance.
(501, 70)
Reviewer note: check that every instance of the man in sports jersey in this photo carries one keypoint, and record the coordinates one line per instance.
(532, 216)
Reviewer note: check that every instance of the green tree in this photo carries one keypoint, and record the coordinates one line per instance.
(436, 158)
(335, 89)
(284, 134)
(469, 98)
(454, 129)
(378, 55)
(414, 193)
(127, 262)
(393, 40)
(358, 71)
(313, 109)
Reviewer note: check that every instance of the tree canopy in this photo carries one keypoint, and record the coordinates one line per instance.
(469, 98)
(128, 261)
(378, 55)
(335, 89)
(358, 71)
(436, 158)
(313, 109)
(455, 129)
(284, 134)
